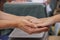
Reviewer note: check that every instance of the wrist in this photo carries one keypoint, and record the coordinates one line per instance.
(55, 18)
(52, 20)
(18, 22)
(14, 24)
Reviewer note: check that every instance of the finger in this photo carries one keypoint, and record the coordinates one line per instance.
(27, 29)
(32, 25)
(40, 30)
(36, 21)
(39, 26)
(31, 19)
(27, 23)
(24, 28)
(42, 25)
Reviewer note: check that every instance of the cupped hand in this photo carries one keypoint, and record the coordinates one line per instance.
(27, 25)
(31, 30)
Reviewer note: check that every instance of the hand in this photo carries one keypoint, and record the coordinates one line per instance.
(31, 30)
(42, 22)
(32, 19)
(45, 22)
(29, 27)
(23, 22)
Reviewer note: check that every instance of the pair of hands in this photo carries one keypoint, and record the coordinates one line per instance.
(31, 24)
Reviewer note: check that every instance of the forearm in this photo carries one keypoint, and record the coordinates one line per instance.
(6, 16)
(50, 20)
(56, 18)
(7, 24)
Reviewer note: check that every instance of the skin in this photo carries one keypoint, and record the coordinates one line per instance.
(45, 22)
(21, 22)
(50, 20)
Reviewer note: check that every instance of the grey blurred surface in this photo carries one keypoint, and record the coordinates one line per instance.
(17, 33)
